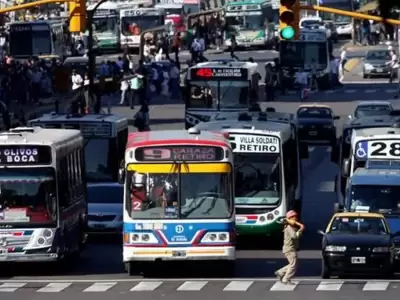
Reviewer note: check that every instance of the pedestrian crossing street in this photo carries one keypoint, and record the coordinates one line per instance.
(197, 286)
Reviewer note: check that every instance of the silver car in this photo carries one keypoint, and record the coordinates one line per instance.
(105, 208)
(372, 109)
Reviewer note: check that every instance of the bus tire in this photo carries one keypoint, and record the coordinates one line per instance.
(130, 268)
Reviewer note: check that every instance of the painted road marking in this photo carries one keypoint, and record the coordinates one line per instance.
(238, 286)
(146, 286)
(10, 287)
(370, 91)
(279, 286)
(376, 286)
(100, 287)
(54, 287)
(350, 91)
(192, 286)
(351, 64)
(330, 286)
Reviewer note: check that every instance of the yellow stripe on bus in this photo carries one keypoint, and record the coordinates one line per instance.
(184, 168)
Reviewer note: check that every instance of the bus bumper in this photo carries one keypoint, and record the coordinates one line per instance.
(178, 254)
(24, 258)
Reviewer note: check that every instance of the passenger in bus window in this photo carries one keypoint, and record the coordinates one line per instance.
(138, 191)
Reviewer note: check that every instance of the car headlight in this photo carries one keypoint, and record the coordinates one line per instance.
(335, 248)
(216, 237)
(368, 66)
(381, 249)
(41, 238)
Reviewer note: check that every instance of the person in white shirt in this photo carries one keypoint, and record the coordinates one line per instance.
(393, 63)
(147, 52)
(125, 85)
(334, 71)
(343, 60)
(195, 49)
(77, 80)
(301, 78)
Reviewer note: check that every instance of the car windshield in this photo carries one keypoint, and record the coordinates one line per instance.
(378, 55)
(257, 178)
(179, 195)
(358, 225)
(384, 199)
(312, 112)
(106, 194)
(222, 94)
(28, 195)
(372, 111)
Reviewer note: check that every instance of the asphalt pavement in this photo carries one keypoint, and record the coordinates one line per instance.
(99, 273)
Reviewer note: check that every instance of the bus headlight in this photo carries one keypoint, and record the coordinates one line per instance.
(41, 238)
(215, 237)
(143, 238)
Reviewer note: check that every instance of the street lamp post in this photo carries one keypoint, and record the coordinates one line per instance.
(92, 58)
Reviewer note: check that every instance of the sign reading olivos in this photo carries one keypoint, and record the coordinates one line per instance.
(255, 143)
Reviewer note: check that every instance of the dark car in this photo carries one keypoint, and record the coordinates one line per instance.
(376, 63)
(316, 124)
(358, 243)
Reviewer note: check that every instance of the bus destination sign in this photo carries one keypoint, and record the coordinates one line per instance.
(209, 73)
(25, 155)
(179, 153)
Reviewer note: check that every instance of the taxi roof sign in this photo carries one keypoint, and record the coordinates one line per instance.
(362, 209)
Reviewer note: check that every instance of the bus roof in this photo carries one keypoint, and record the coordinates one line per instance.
(37, 135)
(82, 118)
(376, 133)
(149, 138)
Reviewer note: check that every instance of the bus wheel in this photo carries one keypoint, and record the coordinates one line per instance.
(132, 268)
(228, 268)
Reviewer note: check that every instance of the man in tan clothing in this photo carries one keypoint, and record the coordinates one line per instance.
(291, 234)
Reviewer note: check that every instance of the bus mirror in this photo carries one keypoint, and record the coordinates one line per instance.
(303, 148)
(335, 154)
(121, 175)
(346, 168)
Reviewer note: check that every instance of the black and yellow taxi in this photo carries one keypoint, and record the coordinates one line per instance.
(316, 124)
(357, 242)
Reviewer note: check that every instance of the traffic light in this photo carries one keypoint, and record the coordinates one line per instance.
(289, 17)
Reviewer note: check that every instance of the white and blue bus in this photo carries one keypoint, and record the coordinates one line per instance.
(105, 140)
(179, 198)
(43, 205)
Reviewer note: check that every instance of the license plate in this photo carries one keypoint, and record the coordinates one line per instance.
(240, 220)
(313, 133)
(179, 253)
(379, 70)
(358, 260)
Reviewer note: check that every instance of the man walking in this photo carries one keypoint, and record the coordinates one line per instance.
(291, 234)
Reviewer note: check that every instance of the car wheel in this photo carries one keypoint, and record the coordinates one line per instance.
(365, 76)
(325, 271)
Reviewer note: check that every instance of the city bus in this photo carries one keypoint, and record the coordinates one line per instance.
(251, 23)
(342, 153)
(268, 172)
(105, 140)
(219, 86)
(135, 21)
(106, 27)
(178, 198)
(43, 39)
(312, 49)
(43, 204)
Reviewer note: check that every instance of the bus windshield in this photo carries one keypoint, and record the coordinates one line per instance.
(136, 24)
(28, 195)
(107, 25)
(99, 157)
(30, 43)
(384, 199)
(257, 178)
(251, 21)
(304, 55)
(218, 94)
(180, 196)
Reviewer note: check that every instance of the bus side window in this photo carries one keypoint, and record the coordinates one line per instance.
(75, 173)
(62, 184)
(78, 172)
(70, 179)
